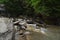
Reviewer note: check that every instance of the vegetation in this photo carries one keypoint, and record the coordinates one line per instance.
(48, 9)
(19, 7)
(2, 1)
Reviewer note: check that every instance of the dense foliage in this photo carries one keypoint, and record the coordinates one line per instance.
(19, 7)
(2, 1)
(49, 9)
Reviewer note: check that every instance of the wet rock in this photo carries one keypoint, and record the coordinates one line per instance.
(29, 21)
(32, 25)
(27, 32)
(22, 22)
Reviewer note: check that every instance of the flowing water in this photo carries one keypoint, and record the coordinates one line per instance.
(49, 33)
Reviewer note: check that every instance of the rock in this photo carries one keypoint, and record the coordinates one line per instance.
(30, 22)
(3, 26)
(27, 33)
(5, 29)
(37, 30)
(20, 19)
(32, 25)
(22, 23)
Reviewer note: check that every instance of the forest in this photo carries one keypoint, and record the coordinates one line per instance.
(46, 10)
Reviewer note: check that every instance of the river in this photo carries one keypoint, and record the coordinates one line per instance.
(49, 33)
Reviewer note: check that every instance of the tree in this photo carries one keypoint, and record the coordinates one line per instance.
(18, 7)
(47, 8)
(2, 1)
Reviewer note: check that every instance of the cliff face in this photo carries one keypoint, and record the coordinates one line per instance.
(5, 24)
